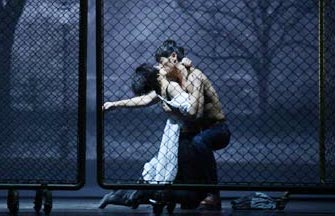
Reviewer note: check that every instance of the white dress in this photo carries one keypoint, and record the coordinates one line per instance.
(163, 167)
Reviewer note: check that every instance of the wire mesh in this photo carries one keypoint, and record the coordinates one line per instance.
(329, 54)
(262, 59)
(39, 92)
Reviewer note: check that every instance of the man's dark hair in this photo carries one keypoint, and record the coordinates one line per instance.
(167, 48)
(144, 80)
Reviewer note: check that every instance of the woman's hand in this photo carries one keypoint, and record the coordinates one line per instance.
(108, 105)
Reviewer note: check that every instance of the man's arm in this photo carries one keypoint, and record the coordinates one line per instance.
(140, 101)
(195, 87)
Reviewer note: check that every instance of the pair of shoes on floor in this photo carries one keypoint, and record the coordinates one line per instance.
(212, 203)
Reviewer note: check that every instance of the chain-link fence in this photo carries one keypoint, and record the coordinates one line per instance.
(261, 57)
(329, 55)
(42, 92)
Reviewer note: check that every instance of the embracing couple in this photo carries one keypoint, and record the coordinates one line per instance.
(195, 128)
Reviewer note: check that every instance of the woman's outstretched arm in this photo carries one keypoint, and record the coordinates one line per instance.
(140, 101)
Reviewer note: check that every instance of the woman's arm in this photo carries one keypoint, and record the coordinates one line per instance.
(179, 105)
(140, 101)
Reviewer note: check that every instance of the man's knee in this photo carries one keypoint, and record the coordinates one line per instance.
(200, 144)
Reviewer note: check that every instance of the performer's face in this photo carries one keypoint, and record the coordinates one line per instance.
(165, 63)
(173, 58)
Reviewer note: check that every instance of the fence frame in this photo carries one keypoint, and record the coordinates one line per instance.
(81, 131)
(299, 188)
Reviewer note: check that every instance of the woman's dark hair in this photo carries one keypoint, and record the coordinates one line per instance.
(167, 48)
(144, 80)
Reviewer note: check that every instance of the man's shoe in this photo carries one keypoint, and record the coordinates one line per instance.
(211, 202)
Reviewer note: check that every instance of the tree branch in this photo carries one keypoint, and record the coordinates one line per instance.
(182, 6)
(214, 10)
(14, 10)
(252, 10)
(292, 44)
(280, 9)
(239, 45)
(234, 16)
(275, 11)
(234, 57)
(297, 43)
(235, 43)
(287, 26)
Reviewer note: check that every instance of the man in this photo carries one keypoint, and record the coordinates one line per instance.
(207, 129)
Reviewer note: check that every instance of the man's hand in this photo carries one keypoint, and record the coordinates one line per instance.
(186, 62)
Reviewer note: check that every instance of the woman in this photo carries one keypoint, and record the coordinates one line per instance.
(152, 85)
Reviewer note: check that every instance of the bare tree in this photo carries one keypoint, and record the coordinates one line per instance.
(263, 31)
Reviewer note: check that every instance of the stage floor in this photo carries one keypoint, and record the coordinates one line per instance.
(87, 207)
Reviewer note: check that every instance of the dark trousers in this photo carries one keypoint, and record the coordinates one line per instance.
(205, 142)
(196, 161)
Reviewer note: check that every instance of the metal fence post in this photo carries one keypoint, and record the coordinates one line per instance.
(322, 106)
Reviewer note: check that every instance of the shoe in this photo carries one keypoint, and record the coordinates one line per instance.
(136, 198)
(104, 201)
(211, 202)
(113, 197)
(130, 198)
